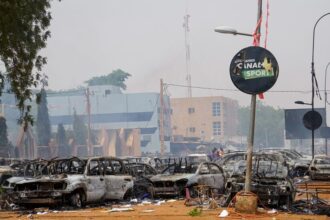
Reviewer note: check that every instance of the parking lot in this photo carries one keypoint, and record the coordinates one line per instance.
(175, 210)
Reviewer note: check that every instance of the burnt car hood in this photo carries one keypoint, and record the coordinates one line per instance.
(302, 162)
(16, 179)
(323, 166)
(43, 179)
(175, 177)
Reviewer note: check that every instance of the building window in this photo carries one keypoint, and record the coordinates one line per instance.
(191, 110)
(216, 108)
(216, 128)
(192, 130)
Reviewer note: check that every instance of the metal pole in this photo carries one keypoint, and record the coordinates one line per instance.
(325, 104)
(252, 122)
(313, 76)
(161, 118)
(250, 145)
(90, 153)
(313, 108)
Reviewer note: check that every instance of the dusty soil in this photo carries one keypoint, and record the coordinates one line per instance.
(166, 211)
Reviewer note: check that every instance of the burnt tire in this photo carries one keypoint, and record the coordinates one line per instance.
(289, 202)
(141, 192)
(77, 199)
(128, 195)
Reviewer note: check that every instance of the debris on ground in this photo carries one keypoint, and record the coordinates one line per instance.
(224, 213)
(121, 210)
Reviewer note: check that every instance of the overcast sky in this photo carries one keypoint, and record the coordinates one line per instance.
(146, 39)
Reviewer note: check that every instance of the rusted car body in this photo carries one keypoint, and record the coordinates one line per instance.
(174, 180)
(319, 168)
(74, 180)
(269, 181)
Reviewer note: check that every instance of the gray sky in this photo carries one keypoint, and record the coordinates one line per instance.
(146, 39)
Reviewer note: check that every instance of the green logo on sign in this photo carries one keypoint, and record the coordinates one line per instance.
(255, 70)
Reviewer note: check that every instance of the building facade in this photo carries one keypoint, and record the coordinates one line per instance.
(111, 109)
(204, 118)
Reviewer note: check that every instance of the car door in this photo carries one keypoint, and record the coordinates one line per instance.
(95, 181)
(204, 176)
(117, 181)
(218, 176)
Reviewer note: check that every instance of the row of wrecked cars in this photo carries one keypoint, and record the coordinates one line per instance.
(79, 181)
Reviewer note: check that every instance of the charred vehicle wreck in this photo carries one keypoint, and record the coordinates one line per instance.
(174, 180)
(269, 181)
(141, 173)
(319, 168)
(74, 181)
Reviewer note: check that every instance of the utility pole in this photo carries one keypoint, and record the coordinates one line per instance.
(252, 118)
(89, 147)
(186, 37)
(161, 118)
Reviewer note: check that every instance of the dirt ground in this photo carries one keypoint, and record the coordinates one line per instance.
(175, 210)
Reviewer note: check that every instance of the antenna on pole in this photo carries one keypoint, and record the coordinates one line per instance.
(186, 38)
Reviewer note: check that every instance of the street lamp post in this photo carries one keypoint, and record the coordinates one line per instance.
(325, 105)
(229, 30)
(313, 75)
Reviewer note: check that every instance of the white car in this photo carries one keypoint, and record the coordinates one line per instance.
(76, 181)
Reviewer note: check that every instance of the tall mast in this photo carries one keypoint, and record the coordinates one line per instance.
(187, 46)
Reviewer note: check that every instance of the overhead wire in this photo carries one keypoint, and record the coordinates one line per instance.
(236, 90)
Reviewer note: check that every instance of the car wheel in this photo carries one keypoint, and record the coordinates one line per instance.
(76, 199)
(289, 202)
(141, 192)
(128, 195)
(192, 191)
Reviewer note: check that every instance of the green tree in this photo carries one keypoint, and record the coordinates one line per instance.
(116, 78)
(63, 150)
(3, 133)
(269, 129)
(23, 33)
(79, 129)
(43, 123)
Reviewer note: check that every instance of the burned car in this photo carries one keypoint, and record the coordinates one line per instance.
(141, 173)
(197, 158)
(74, 180)
(269, 181)
(319, 168)
(298, 164)
(174, 180)
(161, 163)
(228, 161)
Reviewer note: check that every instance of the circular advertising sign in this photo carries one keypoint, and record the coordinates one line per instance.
(254, 70)
(312, 120)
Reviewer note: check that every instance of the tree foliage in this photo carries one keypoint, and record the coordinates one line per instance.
(269, 129)
(62, 141)
(3, 133)
(23, 33)
(43, 123)
(116, 78)
(79, 129)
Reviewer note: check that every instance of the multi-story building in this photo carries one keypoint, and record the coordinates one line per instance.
(111, 109)
(204, 118)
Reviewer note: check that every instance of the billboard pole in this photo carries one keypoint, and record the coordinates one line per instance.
(252, 118)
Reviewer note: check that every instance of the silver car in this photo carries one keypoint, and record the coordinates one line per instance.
(176, 178)
(76, 181)
(319, 168)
